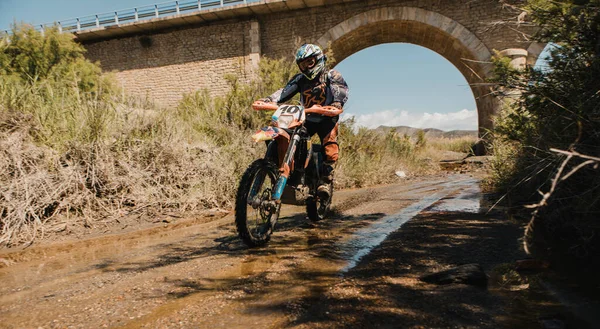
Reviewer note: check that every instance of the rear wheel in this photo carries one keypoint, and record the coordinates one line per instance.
(318, 207)
(255, 211)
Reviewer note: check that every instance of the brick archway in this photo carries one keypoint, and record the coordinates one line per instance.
(425, 28)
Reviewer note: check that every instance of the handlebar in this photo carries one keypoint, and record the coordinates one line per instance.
(264, 106)
(329, 111)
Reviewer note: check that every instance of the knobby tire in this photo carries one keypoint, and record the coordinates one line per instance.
(247, 234)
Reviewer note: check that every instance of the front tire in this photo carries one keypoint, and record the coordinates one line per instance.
(255, 212)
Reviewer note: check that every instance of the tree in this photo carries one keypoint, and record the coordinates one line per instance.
(555, 128)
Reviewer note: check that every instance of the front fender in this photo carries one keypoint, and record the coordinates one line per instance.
(270, 133)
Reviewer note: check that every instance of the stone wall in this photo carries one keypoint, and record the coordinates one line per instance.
(164, 64)
(280, 33)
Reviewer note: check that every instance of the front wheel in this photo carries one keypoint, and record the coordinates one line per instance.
(255, 211)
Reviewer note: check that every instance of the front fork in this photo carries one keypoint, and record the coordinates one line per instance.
(277, 192)
(285, 168)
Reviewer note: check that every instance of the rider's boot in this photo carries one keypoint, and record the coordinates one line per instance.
(324, 190)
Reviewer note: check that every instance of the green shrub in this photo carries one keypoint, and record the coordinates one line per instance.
(223, 118)
(48, 78)
(34, 57)
(558, 110)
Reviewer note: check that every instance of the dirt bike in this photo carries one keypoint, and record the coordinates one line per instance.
(265, 185)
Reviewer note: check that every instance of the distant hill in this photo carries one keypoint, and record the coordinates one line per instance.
(429, 132)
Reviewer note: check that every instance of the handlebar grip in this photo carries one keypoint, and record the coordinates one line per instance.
(264, 106)
(328, 111)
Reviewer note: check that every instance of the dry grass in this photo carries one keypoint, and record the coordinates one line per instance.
(151, 159)
(462, 144)
(368, 158)
(150, 163)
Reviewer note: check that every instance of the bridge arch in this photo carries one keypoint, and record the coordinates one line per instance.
(425, 28)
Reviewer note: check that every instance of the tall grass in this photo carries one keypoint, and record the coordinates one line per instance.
(368, 157)
(462, 144)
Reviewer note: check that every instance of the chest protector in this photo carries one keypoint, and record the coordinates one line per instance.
(316, 92)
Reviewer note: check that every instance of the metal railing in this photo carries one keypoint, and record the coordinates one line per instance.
(138, 14)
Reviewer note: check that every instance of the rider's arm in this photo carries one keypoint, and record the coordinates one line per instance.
(338, 88)
(286, 93)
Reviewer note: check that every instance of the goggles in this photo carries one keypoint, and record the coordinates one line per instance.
(307, 63)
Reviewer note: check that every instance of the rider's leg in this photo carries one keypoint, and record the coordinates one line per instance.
(327, 130)
(328, 134)
(332, 150)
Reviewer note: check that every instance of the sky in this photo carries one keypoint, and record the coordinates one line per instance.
(395, 84)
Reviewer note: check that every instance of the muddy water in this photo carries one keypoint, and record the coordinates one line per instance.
(201, 275)
(468, 199)
(365, 239)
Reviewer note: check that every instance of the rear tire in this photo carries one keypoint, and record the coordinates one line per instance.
(317, 208)
(253, 216)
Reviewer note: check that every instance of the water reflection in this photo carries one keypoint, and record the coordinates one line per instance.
(467, 200)
(367, 238)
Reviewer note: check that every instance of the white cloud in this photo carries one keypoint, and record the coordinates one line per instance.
(461, 120)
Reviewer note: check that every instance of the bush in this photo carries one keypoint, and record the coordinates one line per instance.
(48, 78)
(548, 140)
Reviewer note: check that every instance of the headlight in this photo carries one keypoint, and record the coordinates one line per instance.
(284, 121)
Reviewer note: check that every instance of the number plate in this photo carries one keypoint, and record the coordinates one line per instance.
(286, 115)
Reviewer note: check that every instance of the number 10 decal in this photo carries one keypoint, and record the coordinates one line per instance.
(291, 109)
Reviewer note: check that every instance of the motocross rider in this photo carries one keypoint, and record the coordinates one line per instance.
(316, 86)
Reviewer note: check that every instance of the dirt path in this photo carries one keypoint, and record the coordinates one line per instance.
(342, 272)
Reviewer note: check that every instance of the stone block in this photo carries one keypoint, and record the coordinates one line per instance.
(409, 14)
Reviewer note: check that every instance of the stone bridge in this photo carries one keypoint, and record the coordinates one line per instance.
(165, 57)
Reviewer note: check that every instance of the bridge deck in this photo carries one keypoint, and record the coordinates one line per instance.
(263, 7)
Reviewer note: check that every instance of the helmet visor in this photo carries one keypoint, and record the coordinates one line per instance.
(307, 63)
